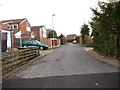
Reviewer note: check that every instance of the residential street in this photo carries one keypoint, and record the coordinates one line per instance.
(69, 66)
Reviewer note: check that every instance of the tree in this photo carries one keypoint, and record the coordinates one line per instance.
(105, 25)
(62, 39)
(85, 32)
(50, 35)
(77, 38)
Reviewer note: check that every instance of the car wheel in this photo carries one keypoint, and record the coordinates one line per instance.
(25, 46)
(41, 48)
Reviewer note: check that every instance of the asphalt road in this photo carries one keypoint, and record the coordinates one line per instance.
(69, 66)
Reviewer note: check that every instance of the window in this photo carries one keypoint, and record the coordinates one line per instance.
(34, 42)
(29, 42)
(12, 27)
(15, 26)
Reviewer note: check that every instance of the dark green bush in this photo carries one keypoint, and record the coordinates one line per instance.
(89, 44)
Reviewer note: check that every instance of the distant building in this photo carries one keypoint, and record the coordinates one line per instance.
(71, 37)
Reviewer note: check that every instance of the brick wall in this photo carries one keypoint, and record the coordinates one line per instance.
(26, 36)
(46, 41)
(37, 33)
(58, 42)
(4, 26)
(22, 27)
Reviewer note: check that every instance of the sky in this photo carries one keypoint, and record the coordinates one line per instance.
(69, 14)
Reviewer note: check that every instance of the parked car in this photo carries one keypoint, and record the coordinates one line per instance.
(74, 42)
(30, 43)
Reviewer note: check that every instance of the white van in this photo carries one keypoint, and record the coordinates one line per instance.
(74, 42)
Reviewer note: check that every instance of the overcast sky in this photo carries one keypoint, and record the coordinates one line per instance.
(70, 14)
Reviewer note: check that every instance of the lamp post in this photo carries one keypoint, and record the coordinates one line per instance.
(53, 27)
(0, 40)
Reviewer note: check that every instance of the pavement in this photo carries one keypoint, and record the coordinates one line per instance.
(69, 66)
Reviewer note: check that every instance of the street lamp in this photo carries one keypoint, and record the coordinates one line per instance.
(53, 27)
(53, 21)
(0, 40)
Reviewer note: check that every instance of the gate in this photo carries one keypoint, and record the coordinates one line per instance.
(17, 42)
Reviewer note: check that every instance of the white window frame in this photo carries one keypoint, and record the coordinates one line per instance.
(12, 26)
(16, 25)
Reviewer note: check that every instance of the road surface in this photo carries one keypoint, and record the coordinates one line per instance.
(69, 66)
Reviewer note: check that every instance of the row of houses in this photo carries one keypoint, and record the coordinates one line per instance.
(21, 30)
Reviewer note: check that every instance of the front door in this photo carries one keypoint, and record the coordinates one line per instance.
(4, 41)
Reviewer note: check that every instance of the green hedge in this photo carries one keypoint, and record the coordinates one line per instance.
(89, 44)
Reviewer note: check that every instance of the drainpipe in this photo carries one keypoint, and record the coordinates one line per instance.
(20, 40)
(11, 39)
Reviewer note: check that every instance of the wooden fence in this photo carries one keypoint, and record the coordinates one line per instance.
(14, 59)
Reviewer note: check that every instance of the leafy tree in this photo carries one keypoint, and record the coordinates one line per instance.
(77, 39)
(61, 36)
(62, 39)
(105, 25)
(52, 34)
(85, 32)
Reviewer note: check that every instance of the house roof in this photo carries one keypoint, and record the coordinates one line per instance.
(26, 33)
(4, 29)
(12, 21)
(36, 27)
(16, 31)
(48, 29)
(71, 35)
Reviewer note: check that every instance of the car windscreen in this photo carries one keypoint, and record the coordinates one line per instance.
(28, 42)
(37, 42)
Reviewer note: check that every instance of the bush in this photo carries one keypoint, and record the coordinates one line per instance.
(89, 44)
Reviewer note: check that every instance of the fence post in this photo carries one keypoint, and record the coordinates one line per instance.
(38, 52)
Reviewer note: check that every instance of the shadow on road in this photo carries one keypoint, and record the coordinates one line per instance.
(101, 80)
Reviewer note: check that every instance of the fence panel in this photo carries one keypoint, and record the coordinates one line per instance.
(14, 59)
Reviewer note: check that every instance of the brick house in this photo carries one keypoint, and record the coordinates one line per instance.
(21, 30)
(41, 34)
(71, 37)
